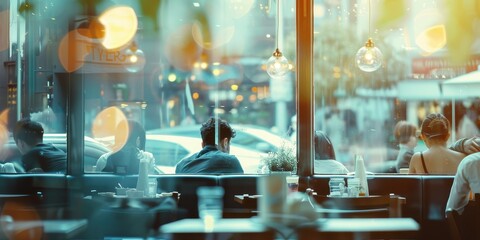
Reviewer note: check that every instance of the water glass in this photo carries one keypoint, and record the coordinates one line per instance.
(337, 187)
(152, 187)
(292, 183)
(210, 204)
(353, 187)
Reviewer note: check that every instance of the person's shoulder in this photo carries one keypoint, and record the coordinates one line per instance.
(416, 155)
(473, 158)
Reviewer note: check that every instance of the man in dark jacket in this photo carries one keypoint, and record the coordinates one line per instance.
(37, 156)
(213, 158)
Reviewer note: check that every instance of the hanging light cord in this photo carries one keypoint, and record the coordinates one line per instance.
(277, 24)
(369, 21)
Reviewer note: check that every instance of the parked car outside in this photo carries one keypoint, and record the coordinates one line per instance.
(92, 149)
(168, 150)
(249, 136)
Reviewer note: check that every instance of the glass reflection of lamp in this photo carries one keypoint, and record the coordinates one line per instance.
(369, 58)
(135, 58)
(277, 64)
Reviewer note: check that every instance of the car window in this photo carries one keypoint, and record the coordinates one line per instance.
(165, 153)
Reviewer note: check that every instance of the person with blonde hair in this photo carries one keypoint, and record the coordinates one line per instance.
(438, 159)
(405, 134)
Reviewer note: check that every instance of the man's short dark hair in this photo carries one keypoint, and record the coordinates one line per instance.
(208, 131)
(29, 131)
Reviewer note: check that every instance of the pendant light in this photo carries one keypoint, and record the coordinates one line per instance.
(369, 58)
(277, 64)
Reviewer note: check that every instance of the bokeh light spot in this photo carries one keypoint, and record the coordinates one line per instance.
(72, 49)
(432, 39)
(120, 25)
(107, 129)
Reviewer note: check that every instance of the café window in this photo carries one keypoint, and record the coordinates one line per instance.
(183, 63)
(172, 68)
(358, 107)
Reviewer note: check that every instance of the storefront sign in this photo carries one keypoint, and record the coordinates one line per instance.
(435, 67)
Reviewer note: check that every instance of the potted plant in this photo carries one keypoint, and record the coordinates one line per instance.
(282, 160)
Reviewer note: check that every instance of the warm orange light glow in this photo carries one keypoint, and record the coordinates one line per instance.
(432, 39)
(254, 89)
(106, 128)
(239, 98)
(4, 30)
(429, 30)
(195, 95)
(181, 50)
(209, 37)
(72, 50)
(3, 137)
(120, 25)
(3, 129)
(239, 8)
(4, 116)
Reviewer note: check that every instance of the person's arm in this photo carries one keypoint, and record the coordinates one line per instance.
(102, 162)
(459, 193)
(466, 145)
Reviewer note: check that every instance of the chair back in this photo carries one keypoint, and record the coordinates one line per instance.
(466, 225)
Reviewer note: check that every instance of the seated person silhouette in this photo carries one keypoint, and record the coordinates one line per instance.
(438, 159)
(214, 157)
(36, 155)
(325, 162)
(127, 159)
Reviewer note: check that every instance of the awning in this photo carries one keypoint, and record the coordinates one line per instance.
(464, 86)
(419, 89)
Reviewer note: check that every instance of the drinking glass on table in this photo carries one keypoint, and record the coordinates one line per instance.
(210, 204)
(292, 183)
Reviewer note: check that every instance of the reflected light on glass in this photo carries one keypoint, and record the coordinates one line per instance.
(3, 127)
(212, 37)
(72, 49)
(369, 58)
(252, 98)
(432, 39)
(209, 223)
(216, 72)
(195, 95)
(120, 26)
(136, 60)
(172, 77)
(203, 65)
(104, 128)
(4, 116)
(277, 65)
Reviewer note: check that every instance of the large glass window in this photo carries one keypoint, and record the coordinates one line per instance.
(85, 67)
(359, 109)
(167, 65)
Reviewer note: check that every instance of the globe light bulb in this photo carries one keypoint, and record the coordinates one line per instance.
(277, 65)
(135, 60)
(369, 58)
